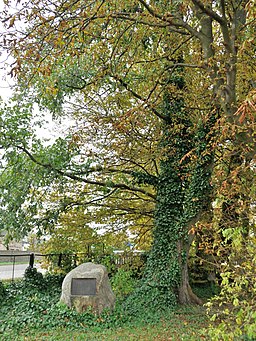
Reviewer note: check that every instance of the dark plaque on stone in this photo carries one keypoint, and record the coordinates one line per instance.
(83, 286)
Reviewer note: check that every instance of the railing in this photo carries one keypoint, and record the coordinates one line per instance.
(14, 263)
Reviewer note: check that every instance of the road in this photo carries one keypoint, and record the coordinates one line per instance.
(6, 271)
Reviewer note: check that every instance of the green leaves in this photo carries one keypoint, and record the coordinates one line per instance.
(150, 89)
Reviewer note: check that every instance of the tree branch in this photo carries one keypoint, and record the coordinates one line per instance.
(75, 203)
(170, 20)
(136, 95)
(209, 12)
(84, 180)
(150, 10)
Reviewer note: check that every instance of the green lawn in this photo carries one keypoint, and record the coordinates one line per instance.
(11, 263)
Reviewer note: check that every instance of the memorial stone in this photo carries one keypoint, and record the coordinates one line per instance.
(87, 286)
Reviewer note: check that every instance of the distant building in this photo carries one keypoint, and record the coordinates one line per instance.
(14, 245)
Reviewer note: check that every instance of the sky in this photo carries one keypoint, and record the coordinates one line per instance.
(5, 81)
(51, 130)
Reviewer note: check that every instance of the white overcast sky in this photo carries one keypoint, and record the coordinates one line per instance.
(5, 81)
(51, 130)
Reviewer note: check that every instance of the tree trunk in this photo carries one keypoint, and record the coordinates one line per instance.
(185, 292)
(183, 190)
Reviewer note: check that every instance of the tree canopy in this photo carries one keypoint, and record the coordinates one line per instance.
(162, 100)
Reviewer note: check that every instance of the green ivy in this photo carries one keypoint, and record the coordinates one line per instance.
(183, 191)
(28, 307)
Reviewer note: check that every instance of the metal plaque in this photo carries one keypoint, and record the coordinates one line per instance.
(83, 286)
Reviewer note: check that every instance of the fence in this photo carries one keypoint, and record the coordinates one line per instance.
(14, 263)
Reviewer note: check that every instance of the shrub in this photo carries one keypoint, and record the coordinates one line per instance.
(123, 283)
(109, 261)
(33, 278)
(235, 316)
(53, 280)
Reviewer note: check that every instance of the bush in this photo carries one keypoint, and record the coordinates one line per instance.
(108, 260)
(123, 283)
(53, 280)
(148, 300)
(33, 278)
(234, 309)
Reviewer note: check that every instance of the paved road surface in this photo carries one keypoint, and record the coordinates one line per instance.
(6, 271)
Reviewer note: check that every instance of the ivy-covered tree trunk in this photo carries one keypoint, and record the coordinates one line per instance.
(183, 193)
(179, 205)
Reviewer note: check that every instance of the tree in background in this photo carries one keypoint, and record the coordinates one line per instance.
(234, 222)
(151, 87)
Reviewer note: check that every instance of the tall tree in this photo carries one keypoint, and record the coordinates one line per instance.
(128, 70)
